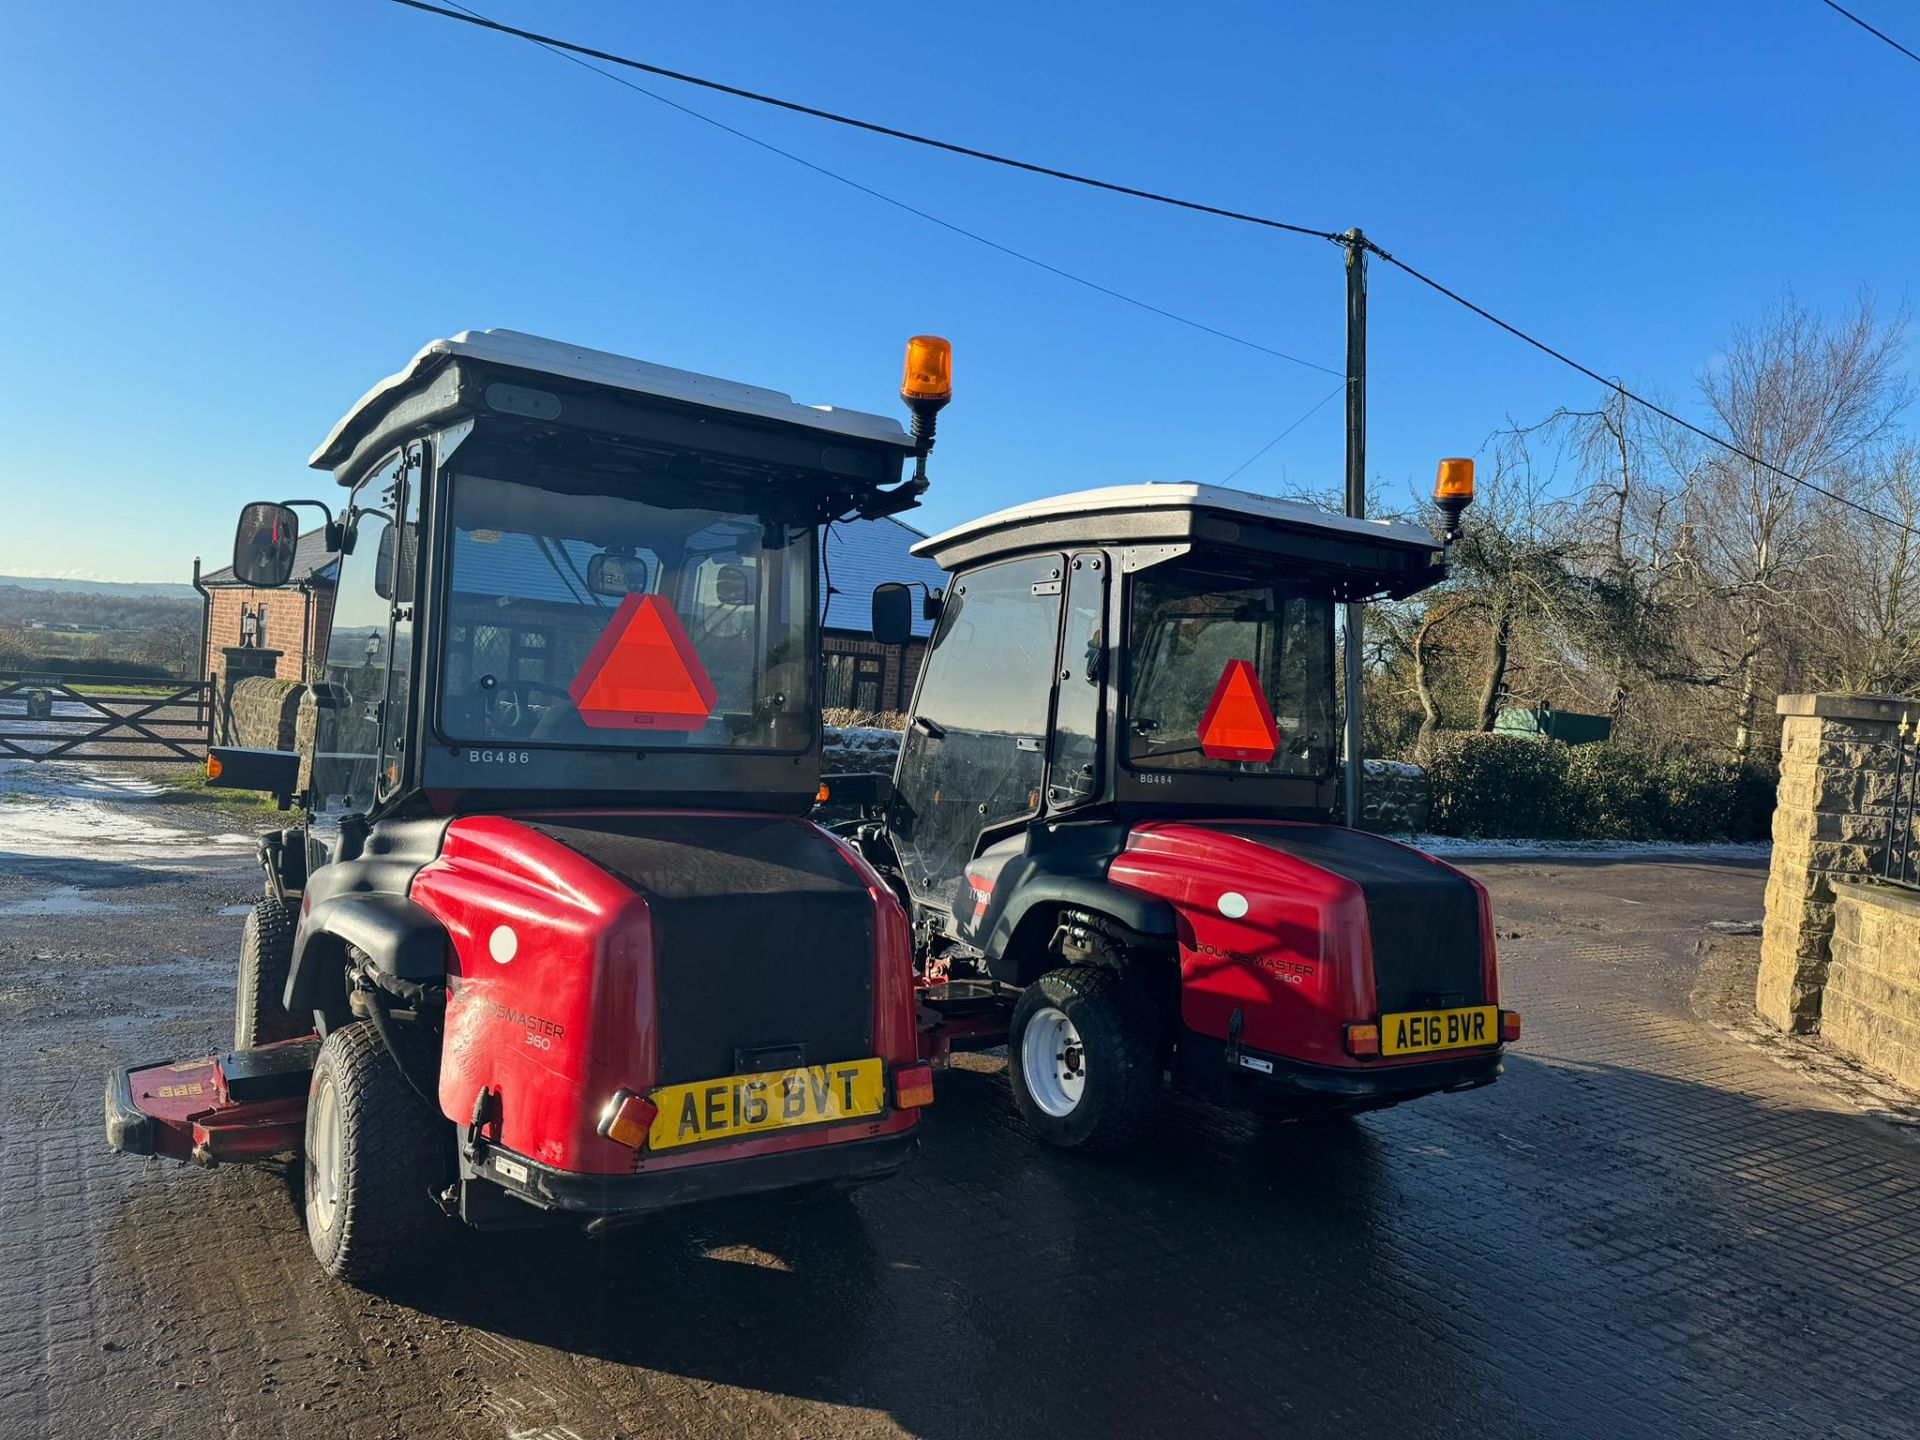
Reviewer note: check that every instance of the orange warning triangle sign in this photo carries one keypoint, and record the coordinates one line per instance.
(643, 673)
(1238, 724)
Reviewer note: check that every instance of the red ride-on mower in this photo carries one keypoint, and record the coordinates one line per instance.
(559, 940)
(1112, 818)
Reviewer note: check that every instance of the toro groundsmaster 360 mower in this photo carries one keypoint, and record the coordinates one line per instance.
(558, 937)
(1112, 817)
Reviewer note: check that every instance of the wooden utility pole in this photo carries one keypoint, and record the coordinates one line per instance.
(1356, 498)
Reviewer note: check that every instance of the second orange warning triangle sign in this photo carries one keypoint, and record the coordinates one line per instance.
(1239, 724)
(643, 673)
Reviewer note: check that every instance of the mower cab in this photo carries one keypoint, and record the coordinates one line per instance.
(558, 927)
(1113, 818)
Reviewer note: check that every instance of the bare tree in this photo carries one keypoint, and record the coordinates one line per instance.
(1805, 396)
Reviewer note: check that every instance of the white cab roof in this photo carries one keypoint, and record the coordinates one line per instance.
(1180, 495)
(600, 367)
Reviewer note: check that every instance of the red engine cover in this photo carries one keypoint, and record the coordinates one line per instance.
(1280, 939)
(551, 999)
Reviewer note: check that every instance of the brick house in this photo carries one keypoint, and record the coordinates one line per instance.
(295, 620)
(291, 620)
(859, 673)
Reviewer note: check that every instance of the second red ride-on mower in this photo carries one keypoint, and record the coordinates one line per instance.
(1113, 818)
(559, 939)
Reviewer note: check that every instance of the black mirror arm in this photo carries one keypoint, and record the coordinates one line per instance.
(930, 599)
(334, 529)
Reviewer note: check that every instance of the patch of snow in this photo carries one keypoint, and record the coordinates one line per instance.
(1459, 846)
(52, 812)
(55, 779)
(1392, 767)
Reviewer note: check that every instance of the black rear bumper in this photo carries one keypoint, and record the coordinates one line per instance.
(607, 1200)
(1257, 1079)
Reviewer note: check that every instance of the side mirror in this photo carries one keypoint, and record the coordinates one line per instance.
(393, 565)
(616, 575)
(892, 613)
(263, 544)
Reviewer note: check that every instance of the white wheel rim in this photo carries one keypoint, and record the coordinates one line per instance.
(323, 1155)
(1053, 1062)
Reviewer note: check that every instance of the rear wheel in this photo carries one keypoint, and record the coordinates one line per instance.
(1083, 1059)
(374, 1154)
(266, 955)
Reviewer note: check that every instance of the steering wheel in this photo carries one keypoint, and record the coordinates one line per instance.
(509, 709)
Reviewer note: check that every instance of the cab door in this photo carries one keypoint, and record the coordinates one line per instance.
(973, 761)
(1074, 776)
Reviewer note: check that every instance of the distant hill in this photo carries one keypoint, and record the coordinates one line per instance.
(119, 589)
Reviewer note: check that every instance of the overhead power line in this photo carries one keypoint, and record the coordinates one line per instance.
(1318, 405)
(574, 54)
(583, 54)
(1641, 400)
(873, 127)
(1877, 34)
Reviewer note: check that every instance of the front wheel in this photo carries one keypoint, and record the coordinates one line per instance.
(266, 955)
(374, 1155)
(1083, 1059)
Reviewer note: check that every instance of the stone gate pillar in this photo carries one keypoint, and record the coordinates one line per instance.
(1836, 783)
(239, 662)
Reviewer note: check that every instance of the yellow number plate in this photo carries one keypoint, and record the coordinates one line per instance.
(1418, 1031)
(739, 1105)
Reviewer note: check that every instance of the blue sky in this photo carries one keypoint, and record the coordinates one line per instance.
(224, 221)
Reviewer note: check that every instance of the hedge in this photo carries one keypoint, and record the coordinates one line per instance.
(1487, 786)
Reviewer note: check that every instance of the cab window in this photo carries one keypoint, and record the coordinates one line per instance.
(974, 757)
(351, 690)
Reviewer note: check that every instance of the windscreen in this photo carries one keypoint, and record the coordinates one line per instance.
(1229, 675)
(609, 621)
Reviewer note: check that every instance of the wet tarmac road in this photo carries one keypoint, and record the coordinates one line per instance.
(1649, 1227)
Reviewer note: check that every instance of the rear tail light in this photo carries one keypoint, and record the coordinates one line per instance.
(1509, 1026)
(627, 1119)
(912, 1085)
(1363, 1040)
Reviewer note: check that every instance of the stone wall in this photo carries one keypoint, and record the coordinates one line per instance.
(260, 713)
(857, 749)
(1871, 1008)
(1836, 789)
(1395, 798)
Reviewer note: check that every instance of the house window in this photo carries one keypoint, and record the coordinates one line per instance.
(839, 681)
(854, 681)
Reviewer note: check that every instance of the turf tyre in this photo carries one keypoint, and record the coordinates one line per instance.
(374, 1156)
(1122, 1060)
(266, 955)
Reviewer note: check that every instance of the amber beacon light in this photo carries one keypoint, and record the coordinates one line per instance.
(926, 384)
(1452, 493)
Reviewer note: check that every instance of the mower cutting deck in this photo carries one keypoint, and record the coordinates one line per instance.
(243, 1105)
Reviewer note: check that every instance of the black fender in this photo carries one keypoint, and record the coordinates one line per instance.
(1031, 878)
(398, 936)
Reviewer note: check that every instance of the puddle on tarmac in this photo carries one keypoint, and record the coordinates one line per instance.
(71, 900)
